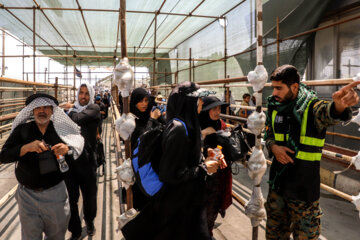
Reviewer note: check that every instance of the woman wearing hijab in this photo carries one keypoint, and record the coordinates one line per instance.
(141, 104)
(219, 184)
(178, 211)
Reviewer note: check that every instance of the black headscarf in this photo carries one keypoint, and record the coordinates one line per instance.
(206, 121)
(136, 96)
(185, 108)
(143, 117)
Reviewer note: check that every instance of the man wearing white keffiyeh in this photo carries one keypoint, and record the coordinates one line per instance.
(39, 132)
(82, 173)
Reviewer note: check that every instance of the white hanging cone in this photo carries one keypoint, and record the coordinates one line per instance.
(356, 119)
(258, 77)
(356, 161)
(356, 202)
(257, 166)
(125, 125)
(126, 173)
(124, 77)
(126, 217)
(256, 122)
(254, 209)
(357, 78)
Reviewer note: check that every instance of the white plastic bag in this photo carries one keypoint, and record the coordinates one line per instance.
(125, 125)
(357, 78)
(254, 209)
(126, 173)
(126, 217)
(356, 161)
(356, 202)
(257, 165)
(124, 77)
(256, 122)
(356, 119)
(258, 77)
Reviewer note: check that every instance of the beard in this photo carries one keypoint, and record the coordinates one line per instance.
(287, 98)
(42, 119)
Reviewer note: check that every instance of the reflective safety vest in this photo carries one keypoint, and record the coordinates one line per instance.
(301, 180)
(311, 141)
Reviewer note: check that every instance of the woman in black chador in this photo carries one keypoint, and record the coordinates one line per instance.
(141, 104)
(219, 185)
(178, 211)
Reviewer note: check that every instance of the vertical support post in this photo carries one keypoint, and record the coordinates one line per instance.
(177, 67)
(193, 70)
(34, 44)
(56, 87)
(66, 73)
(23, 60)
(190, 64)
(129, 195)
(154, 57)
(49, 70)
(74, 74)
(3, 54)
(227, 100)
(259, 48)
(277, 42)
(134, 68)
(225, 49)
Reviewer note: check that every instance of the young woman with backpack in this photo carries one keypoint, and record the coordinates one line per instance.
(178, 210)
(141, 104)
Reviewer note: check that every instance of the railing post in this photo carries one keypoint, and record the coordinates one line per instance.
(56, 87)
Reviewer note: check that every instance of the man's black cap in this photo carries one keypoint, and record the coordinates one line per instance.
(37, 95)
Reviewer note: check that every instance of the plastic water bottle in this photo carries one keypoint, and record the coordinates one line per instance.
(217, 152)
(64, 167)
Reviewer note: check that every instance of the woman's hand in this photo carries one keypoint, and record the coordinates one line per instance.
(207, 131)
(211, 165)
(155, 114)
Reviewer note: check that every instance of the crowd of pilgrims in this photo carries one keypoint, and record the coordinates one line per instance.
(196, 187)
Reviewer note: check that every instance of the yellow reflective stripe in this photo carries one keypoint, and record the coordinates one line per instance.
(279, 137)
(287, 137)
(273, 115)
(318, 142)
(307, 156)
(304, 121)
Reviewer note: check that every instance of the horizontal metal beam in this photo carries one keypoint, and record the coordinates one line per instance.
(111, 10)
(93, 56)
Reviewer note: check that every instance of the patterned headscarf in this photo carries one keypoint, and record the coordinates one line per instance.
(78, 107)
(67, 130)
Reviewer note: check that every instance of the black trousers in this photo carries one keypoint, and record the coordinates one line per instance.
(82, 177)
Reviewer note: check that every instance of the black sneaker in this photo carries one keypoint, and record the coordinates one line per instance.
(90, 229)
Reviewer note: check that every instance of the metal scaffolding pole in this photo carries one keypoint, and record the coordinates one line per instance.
(3, 54)
(154, 51)
(225, 49)
(147, 30)
(34, 47)
(177, 26)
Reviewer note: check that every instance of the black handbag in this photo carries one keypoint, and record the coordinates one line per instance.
(100, 154)
(47, 162)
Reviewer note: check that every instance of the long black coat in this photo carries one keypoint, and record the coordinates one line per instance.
(177, 211)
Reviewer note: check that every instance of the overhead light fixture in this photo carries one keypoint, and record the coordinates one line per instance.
(175, 51)
(119, 43)
(116, 59)
(223, 22)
